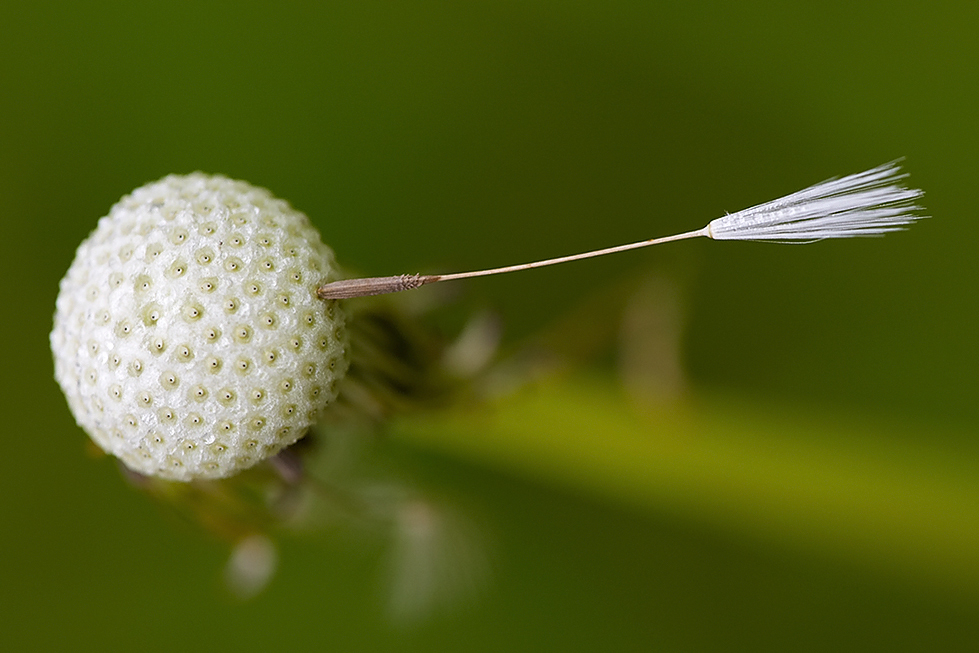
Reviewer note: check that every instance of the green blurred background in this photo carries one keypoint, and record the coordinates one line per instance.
(816, 486)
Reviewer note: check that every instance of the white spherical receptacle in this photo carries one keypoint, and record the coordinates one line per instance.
(188, 338)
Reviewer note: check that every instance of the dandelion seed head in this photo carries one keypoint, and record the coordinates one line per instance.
(163, 324)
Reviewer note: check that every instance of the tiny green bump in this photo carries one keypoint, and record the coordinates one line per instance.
(153, 250)
(233, 264)
(177, 269)
(192, 312)
(213, 364)
(205, 255)
(124, 328)
(198, 393)
(169, 381)
(157, 345)
(135, 367)
(178, 236)
(151, 314)
(243, 333)
(184, 353)
(212, 334)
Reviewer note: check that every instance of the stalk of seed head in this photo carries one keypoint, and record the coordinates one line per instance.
(869, 203)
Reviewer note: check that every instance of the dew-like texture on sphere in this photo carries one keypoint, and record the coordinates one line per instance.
(188, 338)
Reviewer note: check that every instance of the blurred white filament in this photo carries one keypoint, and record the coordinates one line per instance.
(251, 566)
(869, 203)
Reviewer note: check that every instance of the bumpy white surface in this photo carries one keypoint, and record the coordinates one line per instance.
(187, 336)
